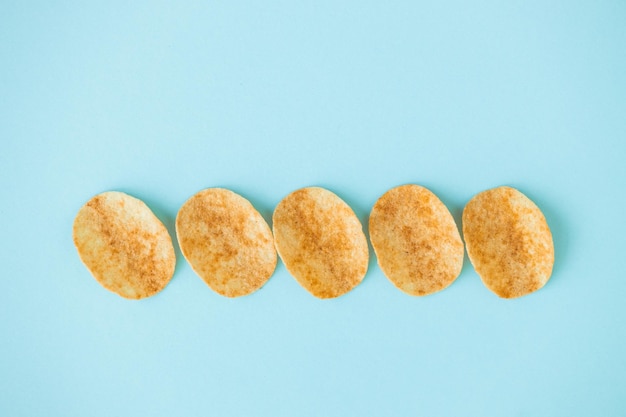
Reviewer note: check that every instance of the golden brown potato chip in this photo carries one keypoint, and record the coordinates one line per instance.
(226, 241)
(321, 242)
(508, 242)
(416, 240)
(124, 245)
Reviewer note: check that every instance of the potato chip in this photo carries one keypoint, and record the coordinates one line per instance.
(508, 242)
(226, 241)
(124, 245)
(321, 242)
(416, 240)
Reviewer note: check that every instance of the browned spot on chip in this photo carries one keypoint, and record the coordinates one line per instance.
(416, 240)
(124, 245)
(321, 242)
(508, 242)
(226, 241)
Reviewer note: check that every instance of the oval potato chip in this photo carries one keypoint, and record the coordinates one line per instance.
(321, 242)
(124, 245)
(508, 242)
(416, 240)
(226, 241)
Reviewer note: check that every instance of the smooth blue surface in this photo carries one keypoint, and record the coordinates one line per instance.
(162, 99)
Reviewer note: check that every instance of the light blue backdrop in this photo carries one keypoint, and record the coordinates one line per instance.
(161, 99)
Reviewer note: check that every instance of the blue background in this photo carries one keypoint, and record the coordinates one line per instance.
(162, 99)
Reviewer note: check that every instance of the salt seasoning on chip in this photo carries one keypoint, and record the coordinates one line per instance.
(416, 240)
(124, 245)
(321, 242)
(508, 242)
(226, 241)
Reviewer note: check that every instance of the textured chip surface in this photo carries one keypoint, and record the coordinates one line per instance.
(321, 242)
(226, 241)
(124, 245)
(508, 242)
(416, 240)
